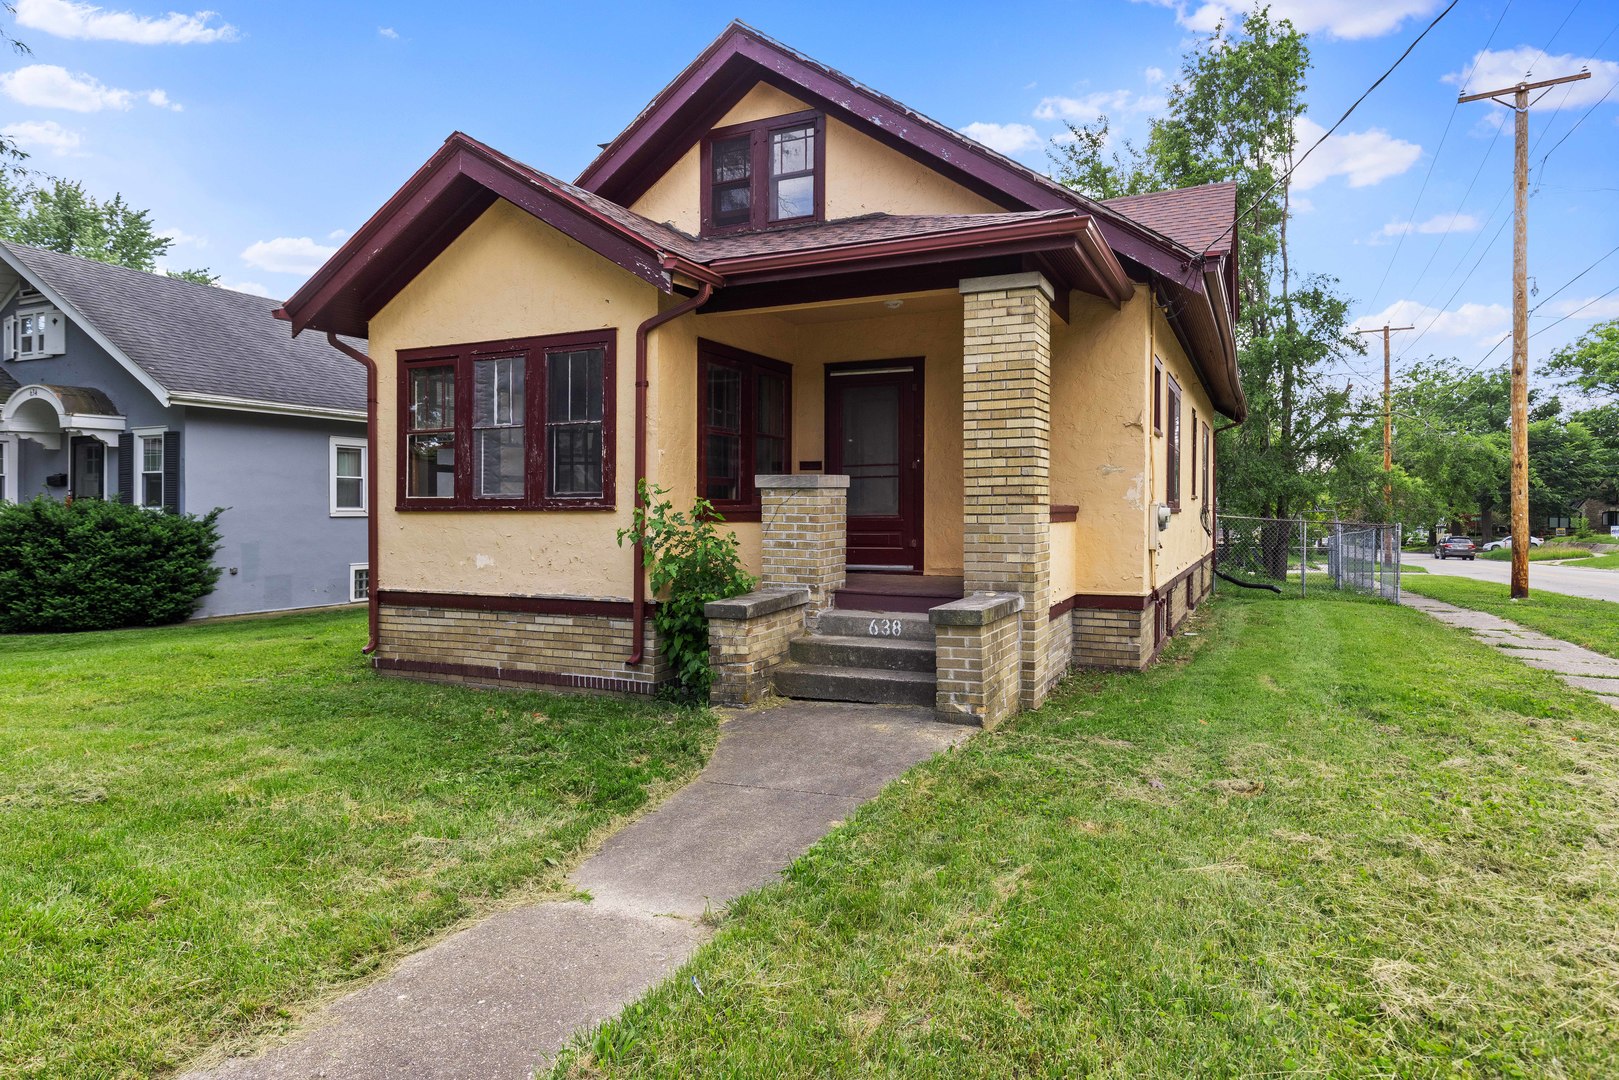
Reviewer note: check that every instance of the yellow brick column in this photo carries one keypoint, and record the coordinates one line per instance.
(1006, 444)
(803, 526)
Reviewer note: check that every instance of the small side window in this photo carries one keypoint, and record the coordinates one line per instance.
(359, 582)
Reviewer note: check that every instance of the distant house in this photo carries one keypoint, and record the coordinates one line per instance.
(941, 400)
(118, 384)
(1602, 515)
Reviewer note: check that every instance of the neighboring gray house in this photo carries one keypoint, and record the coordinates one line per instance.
(120, 384)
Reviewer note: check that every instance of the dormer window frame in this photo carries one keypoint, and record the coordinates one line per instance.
(761, 181)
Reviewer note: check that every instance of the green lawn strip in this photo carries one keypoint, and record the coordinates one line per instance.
(1597, 562)
(1544, 553)
(205, 828)
(1591, 623)
(1423, 885)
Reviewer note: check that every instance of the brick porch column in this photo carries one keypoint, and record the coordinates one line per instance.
(803, 524)
(1006, 442)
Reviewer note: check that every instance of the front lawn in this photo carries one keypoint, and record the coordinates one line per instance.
(1591, 623)
(205, 828)
(1597, 562)
(1544, 553)
(1325, 837)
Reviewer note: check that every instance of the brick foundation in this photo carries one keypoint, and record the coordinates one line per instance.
(1120, 632)
(978, 650)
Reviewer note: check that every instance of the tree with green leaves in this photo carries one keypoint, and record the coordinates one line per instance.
(1231, 116)
(59, 215)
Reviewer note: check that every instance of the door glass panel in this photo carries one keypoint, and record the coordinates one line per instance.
(88, 461)
(871, 450)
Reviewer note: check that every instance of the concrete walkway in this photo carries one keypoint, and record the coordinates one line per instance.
(499, 1000)
(1576, 666)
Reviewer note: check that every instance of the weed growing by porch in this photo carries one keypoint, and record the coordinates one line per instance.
(1591, 623)
(1325, 837)
(205, 828)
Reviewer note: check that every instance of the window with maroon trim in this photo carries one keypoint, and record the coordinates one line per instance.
(1208, 466)
(768, 172)
(1157, 397)
(1172, 445)
(1194, 454)
(744, 426)
(520, 424)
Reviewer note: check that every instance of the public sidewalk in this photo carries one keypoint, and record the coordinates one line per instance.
(1577, 666)
(498, 1000)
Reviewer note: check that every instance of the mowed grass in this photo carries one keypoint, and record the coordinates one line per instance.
(205, 828)
(1324, 837)
(1591, 623)
(1544, 553)
(1598, 562)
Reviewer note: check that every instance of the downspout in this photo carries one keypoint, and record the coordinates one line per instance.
(370, 482)
(638, 553)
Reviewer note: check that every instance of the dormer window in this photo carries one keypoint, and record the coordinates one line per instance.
(29, 335)
(764, 173)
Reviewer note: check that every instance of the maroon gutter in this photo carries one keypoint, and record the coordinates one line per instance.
(371, 594)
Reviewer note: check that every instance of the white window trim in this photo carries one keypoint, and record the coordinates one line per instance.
(8, 480)
(355, 567)
(348, 442)
(137, 467)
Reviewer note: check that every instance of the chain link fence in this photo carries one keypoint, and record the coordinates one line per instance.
(1295, 555)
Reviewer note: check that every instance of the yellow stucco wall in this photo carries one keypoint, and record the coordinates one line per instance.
(1185, 541)
(863, 175)
(508, 275)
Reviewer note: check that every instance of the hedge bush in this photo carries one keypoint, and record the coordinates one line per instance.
(94, 565)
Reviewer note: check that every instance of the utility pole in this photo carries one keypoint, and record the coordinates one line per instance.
(1520, 315)
(1388, 413)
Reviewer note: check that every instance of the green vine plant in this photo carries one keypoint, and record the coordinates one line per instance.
(690, 562)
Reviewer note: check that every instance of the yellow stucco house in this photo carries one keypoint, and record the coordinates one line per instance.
(961, 418)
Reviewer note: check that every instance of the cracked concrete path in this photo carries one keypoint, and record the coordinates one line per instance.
(1578, 667)
(499, 999)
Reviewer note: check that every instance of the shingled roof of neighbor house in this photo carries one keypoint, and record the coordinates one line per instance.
(1196, 216)
(196, 342)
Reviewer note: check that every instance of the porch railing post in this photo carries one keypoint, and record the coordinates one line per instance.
(803, 530)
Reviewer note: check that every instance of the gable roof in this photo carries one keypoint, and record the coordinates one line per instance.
(193, 344)
(1198, 218)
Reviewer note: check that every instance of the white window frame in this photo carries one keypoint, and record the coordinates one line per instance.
(347, 442)
(354, 594)
(137, 468)
(9, 466)
(12, 342)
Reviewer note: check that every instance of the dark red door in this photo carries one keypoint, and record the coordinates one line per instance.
(874, 435)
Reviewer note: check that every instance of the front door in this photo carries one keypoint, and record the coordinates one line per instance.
(89, 468)
(874, 436)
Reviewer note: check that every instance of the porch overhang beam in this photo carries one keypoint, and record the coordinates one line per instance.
(65, 403)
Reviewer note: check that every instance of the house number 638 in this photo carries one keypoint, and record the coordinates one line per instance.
(885, 628)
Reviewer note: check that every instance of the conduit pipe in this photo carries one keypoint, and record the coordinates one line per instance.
(638, 553)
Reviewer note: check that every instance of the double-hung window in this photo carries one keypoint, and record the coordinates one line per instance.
(347, 467)
(764, 173)
(1194, 454)
(1208, 466)
(521, 424)
(1172, 443)
(744, 421)
(7, 468)
(149, 471)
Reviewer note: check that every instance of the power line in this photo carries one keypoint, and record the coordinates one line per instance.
(1573, 279)
(1507, 337)
(1540, 170)
(1328, 133)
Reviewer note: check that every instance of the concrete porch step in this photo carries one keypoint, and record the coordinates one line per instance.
(876, 653)
(821, 682)
(876, 625)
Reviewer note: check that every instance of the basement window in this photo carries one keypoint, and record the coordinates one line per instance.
(359, 582)
(764, 173)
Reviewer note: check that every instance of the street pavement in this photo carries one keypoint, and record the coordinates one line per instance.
(1570, 580)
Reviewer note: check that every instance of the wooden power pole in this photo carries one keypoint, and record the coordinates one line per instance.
(1520, 316)
(1388, 413)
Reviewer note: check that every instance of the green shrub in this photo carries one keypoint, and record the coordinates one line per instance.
(94, 565)
(691, 562)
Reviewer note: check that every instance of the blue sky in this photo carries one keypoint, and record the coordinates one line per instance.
(260, 134)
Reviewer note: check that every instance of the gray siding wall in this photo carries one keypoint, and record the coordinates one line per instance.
(281, 546)
(83, 364)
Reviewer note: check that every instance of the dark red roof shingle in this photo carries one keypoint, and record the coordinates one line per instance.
(1195, 216)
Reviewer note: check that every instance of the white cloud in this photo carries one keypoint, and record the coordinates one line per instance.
(1154, 75)
(248, 287)
(43, 135)
(388, 32)
(1478, 323)
(1006, 138)
(1340, 18)
(181, 238)
(1606, 308)
(51, 87)
(287, 255)
(1111, 103)
(1492, 70)
(1434, 226)
(67, 19)
(1300, 204)
(1363, 158)
(338, 235)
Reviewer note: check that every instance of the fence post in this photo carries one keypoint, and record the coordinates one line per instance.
(1399, 556)
(1304, 555)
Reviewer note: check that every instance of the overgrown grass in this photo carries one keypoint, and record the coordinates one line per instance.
(1324, 837)
(1543, 553)
(1599, 562)
(203, 828)
(1591, 623)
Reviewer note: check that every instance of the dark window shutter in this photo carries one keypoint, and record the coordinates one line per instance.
(126, 468)
(171, 472)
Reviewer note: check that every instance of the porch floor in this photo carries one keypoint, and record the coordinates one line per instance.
(869, 591)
